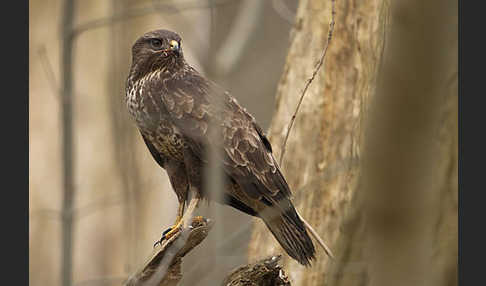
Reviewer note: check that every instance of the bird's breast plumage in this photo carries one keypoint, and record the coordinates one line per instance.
(142, 105)
(143, 100)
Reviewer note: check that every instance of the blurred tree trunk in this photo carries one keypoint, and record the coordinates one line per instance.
(409, 165)
(68, 156)
(123, 137)
(323, 158)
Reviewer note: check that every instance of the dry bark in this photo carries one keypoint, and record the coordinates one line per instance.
(324, 145)
(332, 185)
(266, 272)
(163, 267)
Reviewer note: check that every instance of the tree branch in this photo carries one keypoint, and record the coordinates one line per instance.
(264, 272)
(49, 71)
(164, 265)
(143, 11)
(68, 156)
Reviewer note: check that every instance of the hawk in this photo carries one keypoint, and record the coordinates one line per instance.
(176, 110)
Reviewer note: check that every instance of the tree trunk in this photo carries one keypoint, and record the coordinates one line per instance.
(323, 163)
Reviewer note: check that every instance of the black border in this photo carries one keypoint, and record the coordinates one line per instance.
(15, 139)
(471, 150)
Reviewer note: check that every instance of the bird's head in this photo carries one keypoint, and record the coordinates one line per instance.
(157, 50)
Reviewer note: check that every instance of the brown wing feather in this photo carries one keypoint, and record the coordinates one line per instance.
(153, 151)
(247, 156)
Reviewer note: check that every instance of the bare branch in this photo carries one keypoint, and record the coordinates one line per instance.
(309, 81)
(68, 156)
(155, 7)
(264, 272)
(46, 65)
(283, 11)
(231, 50)
(164, 265)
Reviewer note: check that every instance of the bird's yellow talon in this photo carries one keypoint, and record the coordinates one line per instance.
(170, 232)
(174, 230)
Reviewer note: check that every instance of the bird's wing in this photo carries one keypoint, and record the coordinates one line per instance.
(198, 108)
(196, 105)
(153, 151)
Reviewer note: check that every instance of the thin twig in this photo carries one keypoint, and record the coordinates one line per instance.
(143, 11)
(309, 81)
(46, 65)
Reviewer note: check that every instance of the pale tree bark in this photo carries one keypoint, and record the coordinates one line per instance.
(332, 185)
(321, 158)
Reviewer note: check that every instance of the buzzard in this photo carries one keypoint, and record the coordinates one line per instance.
(179, 113)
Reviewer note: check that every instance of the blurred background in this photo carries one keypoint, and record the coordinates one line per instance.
(121, 199)
(377, 176)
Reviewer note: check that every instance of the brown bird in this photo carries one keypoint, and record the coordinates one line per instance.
(176, 110)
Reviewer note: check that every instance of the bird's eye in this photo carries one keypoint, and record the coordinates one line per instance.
(156, 43)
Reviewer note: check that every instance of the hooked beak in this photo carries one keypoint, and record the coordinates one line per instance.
(173, 48)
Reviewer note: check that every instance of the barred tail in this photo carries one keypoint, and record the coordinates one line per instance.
(317, 237)
(290, 231)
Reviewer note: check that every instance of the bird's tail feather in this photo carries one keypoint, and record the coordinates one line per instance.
(317, 237)
(290, 232)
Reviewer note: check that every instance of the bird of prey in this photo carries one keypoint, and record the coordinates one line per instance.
(176, 109)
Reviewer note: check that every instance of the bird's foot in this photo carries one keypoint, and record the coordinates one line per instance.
(170, 232)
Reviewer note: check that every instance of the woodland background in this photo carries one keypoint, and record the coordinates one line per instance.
(389, 215)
